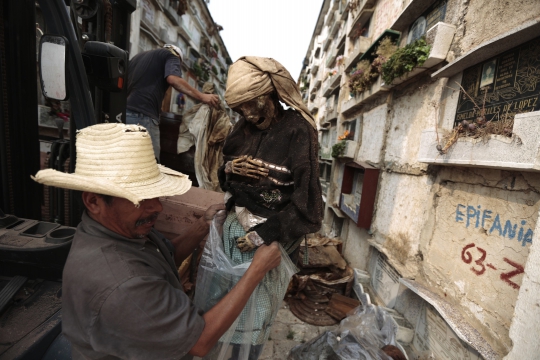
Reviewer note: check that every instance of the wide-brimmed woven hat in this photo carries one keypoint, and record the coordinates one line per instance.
(118, 160)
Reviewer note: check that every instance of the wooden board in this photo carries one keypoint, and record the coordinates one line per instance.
(339, 306)
(181, 210)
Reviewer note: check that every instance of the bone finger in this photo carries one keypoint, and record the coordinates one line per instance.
(256, 162)
(250, 166)
(252, 176)
(253, 167)
(257, 172)
(240, 159)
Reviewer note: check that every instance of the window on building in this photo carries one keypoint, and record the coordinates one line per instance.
(333, 134)
(350, 126)
(358, 190)
(350, 200)
(325, 171)
(324, 138)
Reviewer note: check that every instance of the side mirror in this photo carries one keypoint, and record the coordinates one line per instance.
(52, 66)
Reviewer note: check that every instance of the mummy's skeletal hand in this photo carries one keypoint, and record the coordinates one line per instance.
(246, 166)
(249, 242)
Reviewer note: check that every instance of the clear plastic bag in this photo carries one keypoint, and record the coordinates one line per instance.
(217, 275)
(360, 336)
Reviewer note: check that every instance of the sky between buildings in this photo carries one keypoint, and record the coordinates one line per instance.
(280, 29)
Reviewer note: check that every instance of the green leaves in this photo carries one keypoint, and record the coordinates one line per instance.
(339, 148)
(366, 73)
(405, 60)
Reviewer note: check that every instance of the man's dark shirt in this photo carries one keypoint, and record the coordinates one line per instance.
(147, 80)
(122, 298)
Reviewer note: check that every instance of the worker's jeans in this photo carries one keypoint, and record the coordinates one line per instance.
(151, 125)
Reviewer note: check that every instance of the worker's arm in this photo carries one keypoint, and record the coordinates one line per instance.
(191, 236)
(182, 86)
(219, 318)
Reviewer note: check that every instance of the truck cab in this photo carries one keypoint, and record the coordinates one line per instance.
(63, 67)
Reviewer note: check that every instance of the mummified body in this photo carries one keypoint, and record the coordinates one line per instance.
(271, 170)
(271, 179)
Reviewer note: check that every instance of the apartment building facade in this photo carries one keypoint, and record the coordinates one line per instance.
(188, 25)
(441, 213)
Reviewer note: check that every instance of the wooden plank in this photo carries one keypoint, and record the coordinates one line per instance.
(340, 305)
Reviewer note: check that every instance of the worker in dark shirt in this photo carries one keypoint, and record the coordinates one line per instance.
(122, 297)
(150, 75)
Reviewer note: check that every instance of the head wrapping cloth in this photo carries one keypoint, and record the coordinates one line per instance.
(252, 76)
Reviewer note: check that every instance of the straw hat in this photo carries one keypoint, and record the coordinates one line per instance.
(118, 160)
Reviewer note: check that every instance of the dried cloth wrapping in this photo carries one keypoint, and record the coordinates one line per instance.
(206, 128)
(253, 76)
(221, 267)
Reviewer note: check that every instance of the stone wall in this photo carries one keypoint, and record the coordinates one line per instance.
(483, 222)
(464, 233)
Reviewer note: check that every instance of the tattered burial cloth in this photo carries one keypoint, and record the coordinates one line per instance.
(252, 76)
(206, 128)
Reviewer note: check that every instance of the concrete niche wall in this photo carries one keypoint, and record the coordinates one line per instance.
(483, 228)
(414, 109)
(373, 133)
(402, 210)
(483, 20)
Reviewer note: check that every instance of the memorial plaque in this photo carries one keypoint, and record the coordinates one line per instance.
(506, 85)
(429, 18)
(435, 13)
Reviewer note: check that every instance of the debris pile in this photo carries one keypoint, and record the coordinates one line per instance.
(318, 294)
(368, 333)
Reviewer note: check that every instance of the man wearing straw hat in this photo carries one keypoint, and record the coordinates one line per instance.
(271, 179)
(150, 75)
(121, 294)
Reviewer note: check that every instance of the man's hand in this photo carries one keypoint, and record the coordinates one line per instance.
(249, 242)
(182, 86)
(215, 210)
(210, 99)
(267, 257)
(247, 166)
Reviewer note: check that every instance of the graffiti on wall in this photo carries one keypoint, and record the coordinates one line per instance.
(475, 216)
(480, 266)
(479, 247)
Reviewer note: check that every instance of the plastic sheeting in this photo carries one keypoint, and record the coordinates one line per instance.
(217, 275)
(360, 336)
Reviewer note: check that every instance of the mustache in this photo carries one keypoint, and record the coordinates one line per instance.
(146, 220)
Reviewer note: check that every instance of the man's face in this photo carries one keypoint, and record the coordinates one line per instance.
(259, 111)
(124, 218)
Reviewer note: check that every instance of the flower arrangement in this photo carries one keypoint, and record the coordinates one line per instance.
(405, 59)
(361, 77)
(365, 73)
(340, 60)
(331, 73)
(347, 135)
(339, 149)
